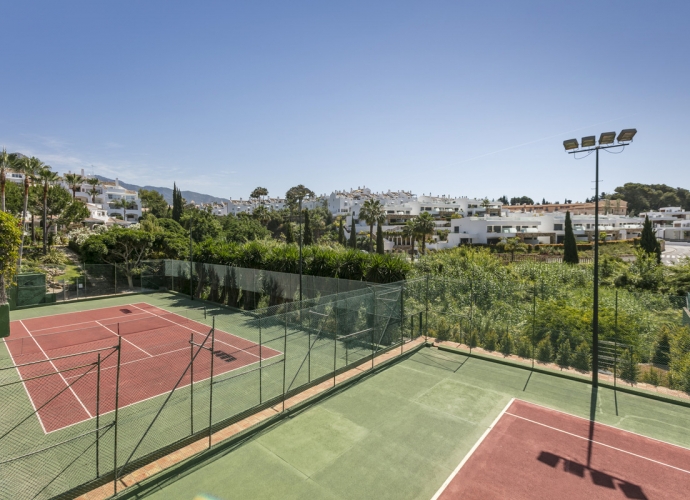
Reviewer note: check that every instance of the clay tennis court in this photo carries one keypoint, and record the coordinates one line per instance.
(155, 352)
(535, 452)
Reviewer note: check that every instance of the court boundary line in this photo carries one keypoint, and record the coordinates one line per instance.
(603, 424)
(75, 324)
(73, 312)
(198, 323)
(26, 389)
(471, 452)
(56, 370)
(123, 338)
(599, 442)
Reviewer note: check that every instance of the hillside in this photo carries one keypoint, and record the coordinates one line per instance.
(167, 192)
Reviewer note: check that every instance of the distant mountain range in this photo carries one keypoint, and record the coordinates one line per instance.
(167, 192)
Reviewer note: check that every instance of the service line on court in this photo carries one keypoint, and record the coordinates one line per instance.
(123, 338)
(56, 370)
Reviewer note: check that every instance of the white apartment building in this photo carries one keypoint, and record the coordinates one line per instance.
(536, 228)
(670, 223)
(105, 194)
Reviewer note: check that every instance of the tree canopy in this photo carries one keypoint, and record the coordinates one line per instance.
(644, 197)
(154, 202)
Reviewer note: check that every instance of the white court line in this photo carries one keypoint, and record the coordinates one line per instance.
(604, 425)
(56, 370)
(598, 442)
(26, 388)
(82, 323)
(129, 342)
(469, 453)
(187, 326)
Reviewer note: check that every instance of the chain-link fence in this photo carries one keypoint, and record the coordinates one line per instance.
(85, 406)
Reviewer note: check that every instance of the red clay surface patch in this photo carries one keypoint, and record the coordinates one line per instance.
(535, 452)
(155, 353)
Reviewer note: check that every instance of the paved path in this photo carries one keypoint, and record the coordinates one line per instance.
(675, 253)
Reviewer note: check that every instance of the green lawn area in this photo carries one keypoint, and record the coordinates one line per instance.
(400, 433)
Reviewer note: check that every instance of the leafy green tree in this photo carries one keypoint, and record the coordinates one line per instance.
(203, 224)
(10, 239)
(308, 232)
(648, 241)
(490, 341)
(569, 244)
(259, 193)
(74, 181)
(75, 213)
(662, 348)
(353, 234)
(29, 167)
(643, 197)
(124, 247)
(424, 225)
(295, 195)
(513, 246)
(242, 229)
(379, 240)
(526, 200)
(154, 203)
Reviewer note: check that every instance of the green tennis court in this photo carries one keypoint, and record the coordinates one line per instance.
(401, 432)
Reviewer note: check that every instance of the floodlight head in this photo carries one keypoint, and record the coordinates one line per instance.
(570, 144)
(607, 138)
(589, 141)
(627, 135)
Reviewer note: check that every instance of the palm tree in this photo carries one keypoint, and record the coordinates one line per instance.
(409, 230)
(513, 246)
(93, 182)
(425, 227)
(120, 203)
(29, 167)
(372, 212)
(47, 177)
(5, 163)
(74, 181)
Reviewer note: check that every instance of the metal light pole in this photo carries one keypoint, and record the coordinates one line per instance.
(191, 262)
(300, 251)
(589, 144)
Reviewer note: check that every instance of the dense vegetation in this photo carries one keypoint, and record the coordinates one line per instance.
(644, 197)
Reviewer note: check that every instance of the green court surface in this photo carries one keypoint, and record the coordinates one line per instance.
(400, 432)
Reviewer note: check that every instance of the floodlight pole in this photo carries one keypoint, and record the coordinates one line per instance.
(595, 298)
(300, 251)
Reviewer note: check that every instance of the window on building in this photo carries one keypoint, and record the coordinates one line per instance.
(497, 229)
(558, 227)
(489, 229)
(457, 229)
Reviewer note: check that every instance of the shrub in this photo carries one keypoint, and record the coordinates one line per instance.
(544, 351)
(652, 376)
(490, 341)
(506, 346)
(582, 360)
(629, 371)
(523, 349)
(564, 354)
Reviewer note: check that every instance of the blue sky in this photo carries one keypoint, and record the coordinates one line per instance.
(462, 98)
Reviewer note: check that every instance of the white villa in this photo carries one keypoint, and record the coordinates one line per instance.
(670, 223)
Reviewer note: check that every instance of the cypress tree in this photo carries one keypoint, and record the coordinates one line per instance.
(353, 234)
(569, 245)
(379, 240)
(648, 240)
(308, 233)
(341, 233)
(177, 204)
(289, 234)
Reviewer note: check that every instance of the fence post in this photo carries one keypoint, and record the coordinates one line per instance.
(402, 317)
(210, 397)
(309, 351)
(191, 381)
(615, 343)
(117, 397)
(534, 320)
(373, 328)
(115, 275)
(98, 414)
(76, 285)
(284, 358)
(260, 365)
(426, 315)
(335, 340)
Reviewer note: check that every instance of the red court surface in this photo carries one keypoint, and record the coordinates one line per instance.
(155, 352)
(534, 452)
